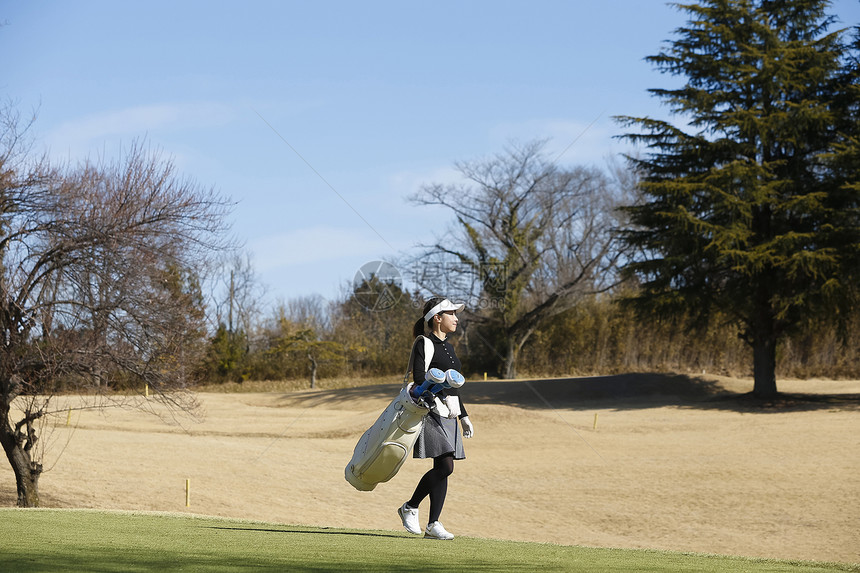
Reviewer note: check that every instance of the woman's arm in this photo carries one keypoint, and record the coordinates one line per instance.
(418, 370)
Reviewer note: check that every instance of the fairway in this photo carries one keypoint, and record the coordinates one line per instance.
(649, 462)
(74, 540)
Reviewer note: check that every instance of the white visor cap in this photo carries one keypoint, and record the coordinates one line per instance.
(444, 306)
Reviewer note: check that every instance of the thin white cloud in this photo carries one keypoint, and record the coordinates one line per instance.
(569, 141)
(84, 132)
(314, 245)
(407, 183)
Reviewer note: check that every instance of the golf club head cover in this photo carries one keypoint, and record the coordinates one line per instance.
(453, 379)
(433, 376)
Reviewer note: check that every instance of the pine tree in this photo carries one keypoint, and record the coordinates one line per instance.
(751, 207)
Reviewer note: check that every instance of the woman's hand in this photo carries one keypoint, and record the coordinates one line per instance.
(468, 428)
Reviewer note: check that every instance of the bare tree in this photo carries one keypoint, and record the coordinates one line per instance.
(234, 300)
(96, 291)
(310, 311)
(530, 240)
(237, 292)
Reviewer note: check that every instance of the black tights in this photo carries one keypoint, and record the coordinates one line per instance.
(435, 484)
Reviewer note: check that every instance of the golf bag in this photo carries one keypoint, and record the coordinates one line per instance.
(383, 448)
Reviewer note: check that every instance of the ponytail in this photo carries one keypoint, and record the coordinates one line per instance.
(418, 329)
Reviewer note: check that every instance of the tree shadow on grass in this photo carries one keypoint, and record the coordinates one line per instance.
(318, 531)
(651, 390)
(783, 402)
(618, 392)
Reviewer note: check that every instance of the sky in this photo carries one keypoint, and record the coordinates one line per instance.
(320, 119)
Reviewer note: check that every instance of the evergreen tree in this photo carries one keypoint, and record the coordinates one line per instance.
(752, 206)
(226, 356)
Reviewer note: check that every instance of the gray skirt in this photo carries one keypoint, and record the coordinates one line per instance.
(439, 436)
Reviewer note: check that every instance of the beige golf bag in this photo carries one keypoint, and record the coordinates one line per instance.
(383, 448)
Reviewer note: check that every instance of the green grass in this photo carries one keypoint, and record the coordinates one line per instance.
(98, 541)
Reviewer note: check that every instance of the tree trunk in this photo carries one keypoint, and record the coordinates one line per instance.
(515, 344)
(764, 365)
(509, 368)
(26, 472)
(313, 370)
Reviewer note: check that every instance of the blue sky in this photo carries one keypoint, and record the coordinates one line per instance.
(377, 98)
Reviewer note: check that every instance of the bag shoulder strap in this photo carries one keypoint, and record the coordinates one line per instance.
(428, 352)
(428, 356)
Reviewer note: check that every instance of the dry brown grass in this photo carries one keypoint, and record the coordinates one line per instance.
(674, 462)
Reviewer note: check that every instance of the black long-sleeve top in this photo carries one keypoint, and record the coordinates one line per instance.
(444, 358)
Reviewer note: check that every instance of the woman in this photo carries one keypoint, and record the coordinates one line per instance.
(439, 438)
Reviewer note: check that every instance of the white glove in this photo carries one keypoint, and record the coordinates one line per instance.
(468, 428)
(453, 403)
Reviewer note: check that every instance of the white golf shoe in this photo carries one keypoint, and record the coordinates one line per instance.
(409, 517)
(436, 531)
